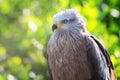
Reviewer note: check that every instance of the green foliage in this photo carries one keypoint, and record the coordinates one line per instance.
(25, 28)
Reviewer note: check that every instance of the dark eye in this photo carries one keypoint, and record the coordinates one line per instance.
(64, 21)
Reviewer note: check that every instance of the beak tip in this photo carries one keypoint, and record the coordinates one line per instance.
(54, 27)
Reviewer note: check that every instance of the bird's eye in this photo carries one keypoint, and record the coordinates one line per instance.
(64, 21)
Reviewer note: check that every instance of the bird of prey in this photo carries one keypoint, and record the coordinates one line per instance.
(73, 53)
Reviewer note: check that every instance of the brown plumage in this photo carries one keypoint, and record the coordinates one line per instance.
(74, 54)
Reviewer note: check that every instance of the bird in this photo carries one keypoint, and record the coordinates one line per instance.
(73, 53)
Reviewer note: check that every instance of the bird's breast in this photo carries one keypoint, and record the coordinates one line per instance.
(68, 58)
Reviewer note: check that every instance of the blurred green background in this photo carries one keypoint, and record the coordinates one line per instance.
(25, 28)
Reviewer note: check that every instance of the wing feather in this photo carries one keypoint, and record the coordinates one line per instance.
(100, 60)
(107, 57)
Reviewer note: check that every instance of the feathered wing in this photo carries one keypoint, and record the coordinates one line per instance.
(107, 57)
(100, 60)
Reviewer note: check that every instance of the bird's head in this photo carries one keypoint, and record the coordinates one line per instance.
(67, 19)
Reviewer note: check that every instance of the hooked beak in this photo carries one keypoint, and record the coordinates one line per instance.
(54, 26)
(57, 26)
